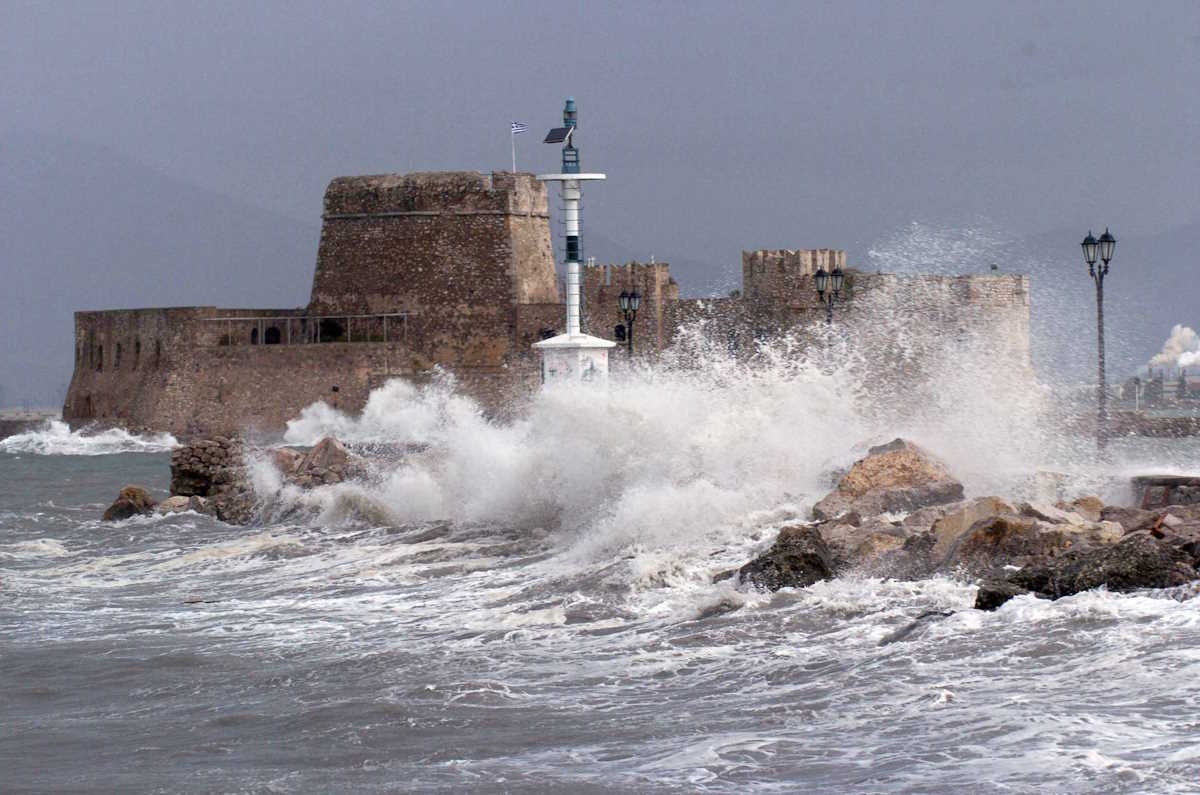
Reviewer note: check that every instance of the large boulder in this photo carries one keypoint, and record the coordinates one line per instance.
(798, 558)
(898, 477)
(327, 462)
(131, 501)
(954, 523)
(1009, 539)
(859, 546)
(993, 593)
(1138, 561)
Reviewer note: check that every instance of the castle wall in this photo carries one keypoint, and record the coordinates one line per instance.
(187, 380)
(602, 286)
(455, 270)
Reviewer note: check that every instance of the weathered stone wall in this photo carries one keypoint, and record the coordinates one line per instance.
(406, 243)
(602, 286)
(187, 382)
(462, 265)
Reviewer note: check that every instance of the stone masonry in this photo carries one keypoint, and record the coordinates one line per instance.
(450, 270)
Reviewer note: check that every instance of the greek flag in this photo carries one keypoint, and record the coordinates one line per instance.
(518, 128)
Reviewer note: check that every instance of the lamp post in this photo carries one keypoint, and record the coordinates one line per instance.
(629, 303)
(829, 289)
(1104, 247)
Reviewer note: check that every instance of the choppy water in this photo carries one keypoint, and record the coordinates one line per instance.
(530, 606)
(337, 652)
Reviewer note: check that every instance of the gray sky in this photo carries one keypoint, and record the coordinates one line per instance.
(722, 126)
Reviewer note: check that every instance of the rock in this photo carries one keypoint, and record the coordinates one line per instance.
(949, 527)
(1009, 539)
(1089, 508)
(994, 593)
(919, 623)
(798, 558)
(131, 501)
(1137, 561)
(896, 477)
(327, 462)
(179, 504)
(923, 519)
(286, 460)
(853, 546)
(175, 504)
(1050, 513)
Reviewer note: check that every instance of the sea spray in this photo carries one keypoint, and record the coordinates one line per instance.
(55, 437)
(677, 453)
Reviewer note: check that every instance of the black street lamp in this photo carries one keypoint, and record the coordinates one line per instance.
(629, 303)
(1104, 247)
(829, 289)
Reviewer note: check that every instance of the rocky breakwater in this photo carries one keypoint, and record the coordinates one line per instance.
(212, 476)
(899, 513)
(214, 470)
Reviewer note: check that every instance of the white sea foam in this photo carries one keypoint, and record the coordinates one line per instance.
(56, 438)
(683, 452)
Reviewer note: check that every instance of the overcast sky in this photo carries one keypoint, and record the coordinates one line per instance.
(722, 126)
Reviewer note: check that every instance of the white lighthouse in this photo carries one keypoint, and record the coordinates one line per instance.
(572, 357)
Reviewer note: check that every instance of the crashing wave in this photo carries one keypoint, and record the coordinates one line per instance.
(55, 437)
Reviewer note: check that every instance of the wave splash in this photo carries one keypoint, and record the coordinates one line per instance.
(703, 444)
(56, 438)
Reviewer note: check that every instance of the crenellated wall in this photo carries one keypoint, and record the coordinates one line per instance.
(454, 270)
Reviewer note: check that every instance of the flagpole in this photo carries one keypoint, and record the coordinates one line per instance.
(512, 135)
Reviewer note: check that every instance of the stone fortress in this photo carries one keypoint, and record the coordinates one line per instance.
(451, 270)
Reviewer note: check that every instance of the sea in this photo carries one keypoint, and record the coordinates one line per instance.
(532, 605)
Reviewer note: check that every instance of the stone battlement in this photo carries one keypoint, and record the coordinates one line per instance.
(455, 270)
(436, 192)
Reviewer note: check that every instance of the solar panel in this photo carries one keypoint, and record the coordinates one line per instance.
(557, 135)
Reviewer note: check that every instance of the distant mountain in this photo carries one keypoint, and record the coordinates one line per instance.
(87, 228)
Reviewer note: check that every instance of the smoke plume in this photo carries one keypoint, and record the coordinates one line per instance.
(1182, 349)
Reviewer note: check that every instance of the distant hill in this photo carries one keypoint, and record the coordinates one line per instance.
(87, 228)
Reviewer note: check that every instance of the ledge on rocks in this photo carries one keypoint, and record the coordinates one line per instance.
(131, 501)
(1136, 562)
(895, 477)
(798, 558)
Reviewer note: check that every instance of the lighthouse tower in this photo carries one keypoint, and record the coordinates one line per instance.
(572, 357)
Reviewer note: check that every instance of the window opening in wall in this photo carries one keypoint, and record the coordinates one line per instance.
(157, 352)
(117, 361)
(137, 353)
(619, 332)
(100, 360)
(271, 336)
(330, 330)
(254, 336)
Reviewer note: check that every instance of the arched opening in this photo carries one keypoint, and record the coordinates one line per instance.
(100, 360)
(117, 361)
(137, 353)
(88, 410)
(329, 330)
(271, 336)
(254, 336)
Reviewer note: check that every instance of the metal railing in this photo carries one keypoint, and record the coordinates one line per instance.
(312, 329)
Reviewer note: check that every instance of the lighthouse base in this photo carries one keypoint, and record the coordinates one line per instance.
(574, 359)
